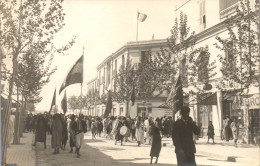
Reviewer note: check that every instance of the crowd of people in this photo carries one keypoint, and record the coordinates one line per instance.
(122, 129)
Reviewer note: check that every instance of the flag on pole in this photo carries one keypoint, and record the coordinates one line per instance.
(53, 101)
(75, 74)
(141, 17)
(175, 98)
(133, 95)
(64, 103)
(109, 105)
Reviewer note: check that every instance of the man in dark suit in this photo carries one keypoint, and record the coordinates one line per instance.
(182, 136)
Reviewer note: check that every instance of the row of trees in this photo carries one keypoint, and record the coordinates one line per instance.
(157, 73)
(27, 34)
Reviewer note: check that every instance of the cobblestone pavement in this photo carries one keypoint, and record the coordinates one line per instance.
(23, 153)
(103, 152)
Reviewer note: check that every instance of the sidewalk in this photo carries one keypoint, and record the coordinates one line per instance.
(244, 153)
(22, 154)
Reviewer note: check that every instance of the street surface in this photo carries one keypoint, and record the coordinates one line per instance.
(103, 152)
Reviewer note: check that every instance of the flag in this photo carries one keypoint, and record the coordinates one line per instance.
(141, 17)
(133, 95)
(108, 104)
(53, 101)
(175, 98)
(64, 103)
(75, 75)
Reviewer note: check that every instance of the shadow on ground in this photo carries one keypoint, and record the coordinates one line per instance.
(89, 156)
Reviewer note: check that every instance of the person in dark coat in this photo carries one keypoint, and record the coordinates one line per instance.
(64, 133)
(40, 130)
(56, 137)
(182, 136)
(72, 133)
(210, 132)
(118, 136)
(156, 141)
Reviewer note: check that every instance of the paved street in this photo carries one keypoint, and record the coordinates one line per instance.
(103, 152)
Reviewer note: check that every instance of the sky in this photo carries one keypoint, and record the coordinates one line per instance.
(102, 27)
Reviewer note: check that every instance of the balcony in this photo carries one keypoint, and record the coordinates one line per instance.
(228, 11)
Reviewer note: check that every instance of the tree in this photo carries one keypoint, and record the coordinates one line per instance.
(181, 54)
(240, 64)
(28, 26)
(148, 77)
(124, 82)
(74, 102)
(241, 60)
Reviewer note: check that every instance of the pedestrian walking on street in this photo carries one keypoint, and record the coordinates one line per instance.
(156, 141)
(80, 127)
(94, 128)
(71, 132)
(210, 132)
(235, 128)
(64, 132)
(118, 136)
(41, 130)
(182, 136)
(139, 132)
(56, 137)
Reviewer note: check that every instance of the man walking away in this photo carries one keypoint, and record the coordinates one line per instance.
(182, 137)
(80, 127)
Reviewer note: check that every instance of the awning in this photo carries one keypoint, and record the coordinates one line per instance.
(207, 99)
(230, 95)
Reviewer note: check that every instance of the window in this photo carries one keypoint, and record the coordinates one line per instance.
(116, 66)
(114, 111)
(121, 111)
(108, 73)
(145, 56)
(123, 60)
(202, 14)
(202, 63)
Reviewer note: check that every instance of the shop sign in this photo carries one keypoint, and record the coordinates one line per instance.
(252, 102)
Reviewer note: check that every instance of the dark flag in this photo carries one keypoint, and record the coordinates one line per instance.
(64, 103)
(175, 99)
(53, 101)
(75, 75)
(109, 105)
(133, 95)
(141, 17)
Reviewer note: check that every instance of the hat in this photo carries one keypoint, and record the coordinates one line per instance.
(185, 109)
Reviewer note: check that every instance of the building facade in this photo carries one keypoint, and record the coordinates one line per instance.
(207, 19)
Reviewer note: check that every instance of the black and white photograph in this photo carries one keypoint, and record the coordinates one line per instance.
(130, 82)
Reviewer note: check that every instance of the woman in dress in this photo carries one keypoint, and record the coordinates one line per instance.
(210, 132)
(139, 132)
(235, 128)
(156, 141)
(40, 130)
(57, 129)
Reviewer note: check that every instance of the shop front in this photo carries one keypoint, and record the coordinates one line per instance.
(246, 108)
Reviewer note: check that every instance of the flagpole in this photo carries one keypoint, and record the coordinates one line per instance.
(137, 26)
(82, 81)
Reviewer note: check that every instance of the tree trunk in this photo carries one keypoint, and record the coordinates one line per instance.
(16, 124)
(127, 108)
(5, 114)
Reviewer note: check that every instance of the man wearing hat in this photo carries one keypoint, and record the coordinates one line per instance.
(182, 136)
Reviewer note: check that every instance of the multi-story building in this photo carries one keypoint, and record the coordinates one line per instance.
(207, 20)
(110, 67)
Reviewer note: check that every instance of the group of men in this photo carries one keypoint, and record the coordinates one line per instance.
(182, 132)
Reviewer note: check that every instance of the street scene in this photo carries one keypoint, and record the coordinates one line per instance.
(118, 82)
(103, 152)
